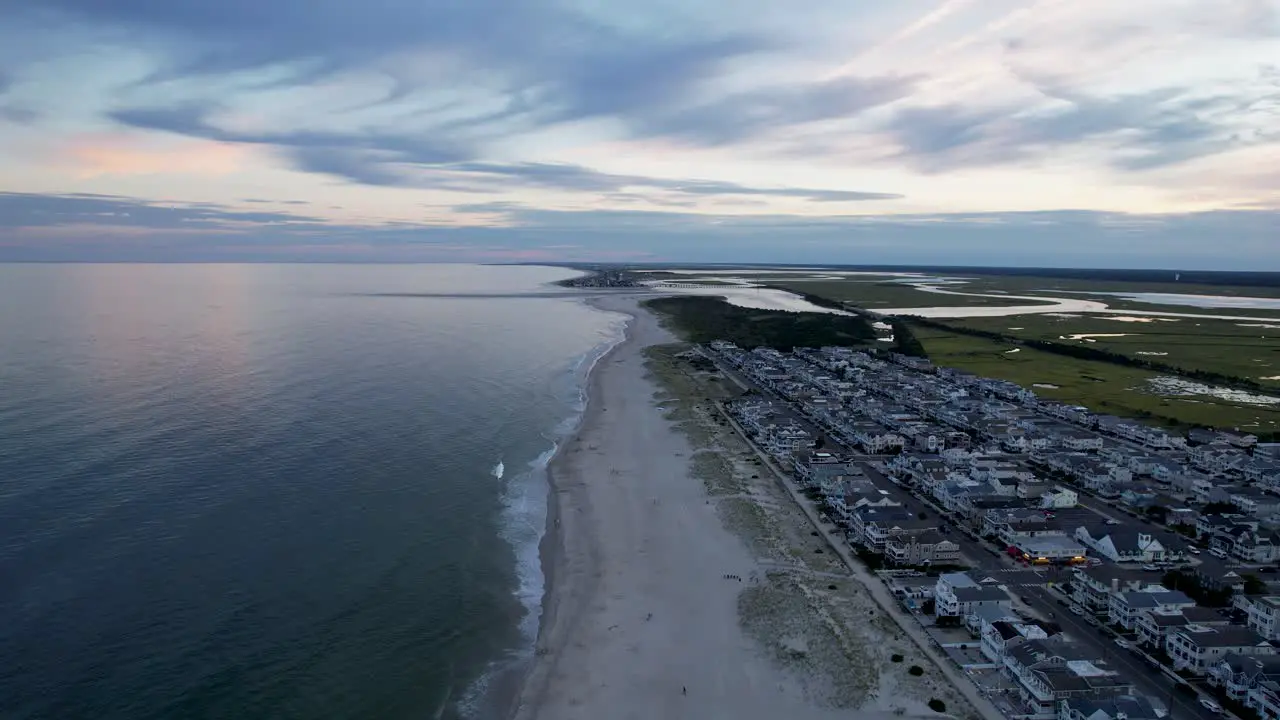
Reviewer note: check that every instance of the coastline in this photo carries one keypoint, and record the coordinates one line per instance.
(529, 683)
(679, 583)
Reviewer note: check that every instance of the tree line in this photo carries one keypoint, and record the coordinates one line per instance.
(704, 319)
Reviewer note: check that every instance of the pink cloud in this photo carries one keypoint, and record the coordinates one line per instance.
(127, 154)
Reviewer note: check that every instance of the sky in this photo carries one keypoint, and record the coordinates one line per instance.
(1087, 133)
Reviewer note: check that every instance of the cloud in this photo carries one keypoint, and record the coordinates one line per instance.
(562, 60)
(415, 162)
(53, 228)
(32, 210)
(1148, 130)
(194, 120)
(575, 177)
(749, 114)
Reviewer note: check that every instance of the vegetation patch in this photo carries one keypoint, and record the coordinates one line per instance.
(705, 319)
(1100, 386)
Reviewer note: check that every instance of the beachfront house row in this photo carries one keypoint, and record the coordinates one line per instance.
(958, 595)
(1001, 636)
(1121, 707)
(1125, 607)
(871, 527)
(850, 496)
(926, 548)
(1048, 672)
(811, 468)
(1197, 648)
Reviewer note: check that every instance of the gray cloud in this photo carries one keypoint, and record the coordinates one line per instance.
(26, 210)
(576, 177)
(743, 115)
(193, 120)
(384, 160)
(1217, 240)
(558, 61)
(1159, 128)
(7, 110)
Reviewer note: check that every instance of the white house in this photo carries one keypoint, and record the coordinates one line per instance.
(1122, 707)
(1060, 498)
(1197, 648)
(1264, 616)
(1125, 607)
(999, 637)
(1238, 674)
(1049, 672)
(958, 595)
(1121, 544)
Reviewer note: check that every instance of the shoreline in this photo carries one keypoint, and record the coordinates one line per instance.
(682, 582)
(531, 677)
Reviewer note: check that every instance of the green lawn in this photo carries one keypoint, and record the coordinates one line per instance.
(1102, 387)
(1220, 346)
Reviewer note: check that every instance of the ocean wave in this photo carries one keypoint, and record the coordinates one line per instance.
(524, 514)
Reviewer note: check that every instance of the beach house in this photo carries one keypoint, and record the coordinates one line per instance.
(1197, 648)
(1049, 672)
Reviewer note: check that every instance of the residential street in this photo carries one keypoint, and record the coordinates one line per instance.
(1030, 586)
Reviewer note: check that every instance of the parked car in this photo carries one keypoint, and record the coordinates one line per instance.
(1122, 643)
(1193, 549)
(1210, 705)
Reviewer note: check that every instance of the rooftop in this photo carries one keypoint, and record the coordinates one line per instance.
(1228, 636)
(980, 594)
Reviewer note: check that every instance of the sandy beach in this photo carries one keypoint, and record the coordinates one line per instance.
(667, 570)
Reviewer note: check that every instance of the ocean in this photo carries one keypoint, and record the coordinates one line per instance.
(276, 491)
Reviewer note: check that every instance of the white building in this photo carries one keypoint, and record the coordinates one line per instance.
(1264, 616)
(1198, 648)
(1060, 498)
(1120, 544)
(958, 595)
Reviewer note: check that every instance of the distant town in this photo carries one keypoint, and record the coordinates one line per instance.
(1075, 565)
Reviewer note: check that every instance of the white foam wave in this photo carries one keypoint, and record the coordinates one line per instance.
(524, 513)
(499, 470)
